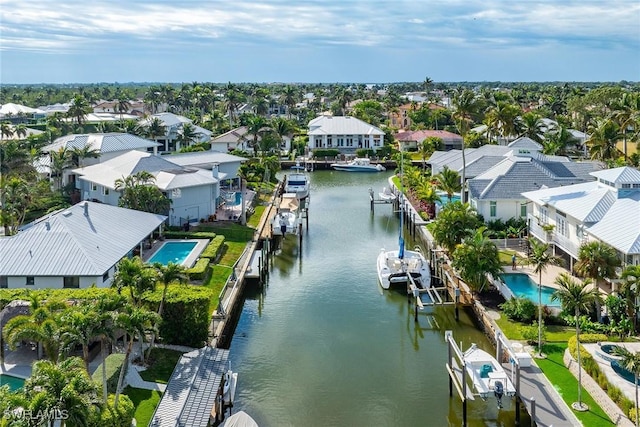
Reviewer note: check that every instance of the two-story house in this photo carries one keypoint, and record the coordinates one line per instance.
(344, 133)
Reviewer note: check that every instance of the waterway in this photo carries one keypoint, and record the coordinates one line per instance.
(323, 345)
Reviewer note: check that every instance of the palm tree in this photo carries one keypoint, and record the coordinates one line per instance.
(138, 277)
(602, 142)
(540, 258)
(476, 257)
(156, 129)
(6, 131)
(578, 298)
(79, 108)
(187, 134)
(630, 362)
(80, 326)
(133, 320)
(289, 98)
(16, 199)
(231, 102)
(63, 387)
(531, 126)
(448, 181)
(630, 287)
(626, 114)
(597, 261)
(256, 126)
(466, 105)
(78, 154)
(282, 128)
(122, 106)
(139, 193)
(428, 195)
(60, 160)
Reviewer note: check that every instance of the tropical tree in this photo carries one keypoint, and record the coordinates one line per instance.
(557, 139)
(540, 258)
(139, 193)
(122, 106)
(455, 222)
(577, 298)
(282, 128)
(427, 148)
(6, 131)
(80, 326)
(465, 105)
(428, 195)
(187, 134)
(63, 387)
(626, 115)
(16, 199)
(603, 139)
(231, 102)
(630, 288)
(156, 129)
(598, 261)
(78, 154)
(78, 109)
(289, 98)
(448, 181)
(531, 126)
(256, 126)
(136, 276)
(475, 258)
(134, 321)
(60, 160)
(630, 362)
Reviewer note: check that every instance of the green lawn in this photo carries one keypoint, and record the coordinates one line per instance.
(254, 219)
(217, 280)
(567, 385)
(505, 256)
(161, 363)
(145, 402)
(555, 333)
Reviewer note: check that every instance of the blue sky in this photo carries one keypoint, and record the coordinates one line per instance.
(80, 41)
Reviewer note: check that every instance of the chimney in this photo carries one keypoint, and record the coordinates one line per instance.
(215, 170)
(48, 225)
(86, 208)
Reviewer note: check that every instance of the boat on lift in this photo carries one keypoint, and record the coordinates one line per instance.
(488, 376)
(287, 218)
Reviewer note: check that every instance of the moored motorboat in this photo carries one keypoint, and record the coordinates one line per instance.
(239, 419)
(359, 164)
(297, 182)
(488, 376)
(395, 267)
(286, 220)
(387, 195)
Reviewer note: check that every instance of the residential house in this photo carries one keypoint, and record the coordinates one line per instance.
(223, 166)
(413, 139)
(77, 247)
(174, 125)
(240, 139)
(194, 192)
(606, 210)
(344, 133)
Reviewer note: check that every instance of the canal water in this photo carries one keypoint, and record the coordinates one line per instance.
(323, 345)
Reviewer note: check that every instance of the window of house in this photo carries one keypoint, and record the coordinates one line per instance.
(105, 276)
(579, 231)
(30, 281)
(105, 191)
(523, 209)
(350, 141)
(561, 225)
(71, 282)
(626, 185)
(493, 208)
(4, 282)
(544, 216)
(94, 187)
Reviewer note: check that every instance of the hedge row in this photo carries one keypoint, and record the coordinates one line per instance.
(114, 363)
(213, 249)
(8, 295)
(200, 270)
(592, 368)
(189, 235)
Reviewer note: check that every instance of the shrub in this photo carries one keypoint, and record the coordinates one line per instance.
(530, 333)
(213, 249)
(189, 235)
(112, 417)
(185, 317)
(200, 270)
(521, 309)
(114, 362)
(632, 414)
(321, 153)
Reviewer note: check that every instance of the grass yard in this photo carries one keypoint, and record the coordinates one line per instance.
(217, 280)
(555, 333)
(505, 256)
(161, 363)
(254, 219)
(145, 402)
(567, 385)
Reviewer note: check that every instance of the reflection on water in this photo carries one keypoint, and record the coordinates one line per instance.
(323, 345)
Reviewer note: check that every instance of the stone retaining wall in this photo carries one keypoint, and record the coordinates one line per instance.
(599, 395)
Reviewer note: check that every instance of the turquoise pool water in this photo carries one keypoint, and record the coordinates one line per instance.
(176, 252)
(444, 199)
(521, 285)
(13, 382)
(236, 200)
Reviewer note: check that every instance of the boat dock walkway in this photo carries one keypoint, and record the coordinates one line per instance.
(536, 390)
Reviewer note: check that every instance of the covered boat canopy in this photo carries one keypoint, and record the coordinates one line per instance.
(240, 419)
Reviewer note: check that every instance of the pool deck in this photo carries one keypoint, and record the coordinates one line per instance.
(188, 262)
(625, 386)
(232, 212)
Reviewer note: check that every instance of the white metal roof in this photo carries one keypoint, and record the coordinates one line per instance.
(620, 226)
(168, 175)
(622, 175)
(103, 142)
(86, 239)
(341, 125)
(204, 158)
(11, 109)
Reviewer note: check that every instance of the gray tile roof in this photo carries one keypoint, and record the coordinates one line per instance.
(72, 243)
(191, 391)
(103, 142)
(525, 143)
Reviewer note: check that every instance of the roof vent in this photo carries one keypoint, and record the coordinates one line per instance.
(48, 225)
(86, 208)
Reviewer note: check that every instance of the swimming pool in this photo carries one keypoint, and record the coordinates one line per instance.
(521, 285)
(14, 383)
(234, 199)
(444, 199)
(176, 252)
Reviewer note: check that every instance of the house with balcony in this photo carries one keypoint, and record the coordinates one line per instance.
(343, 133)
(77, 247)
(174, 125)
(606, 210)
(194, 192)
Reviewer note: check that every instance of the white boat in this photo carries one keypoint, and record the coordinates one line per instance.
(487, 375)
(297, 182)
(359, 164)
(229, 388)
(239, 419)
(395, 267)
(286, 220)
(387, 195)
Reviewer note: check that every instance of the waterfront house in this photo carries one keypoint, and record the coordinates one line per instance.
(173, 126)
(77, 247)
(607, 210)
(240, 139)
(344, 133)
(414, 139)
(194, 192)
